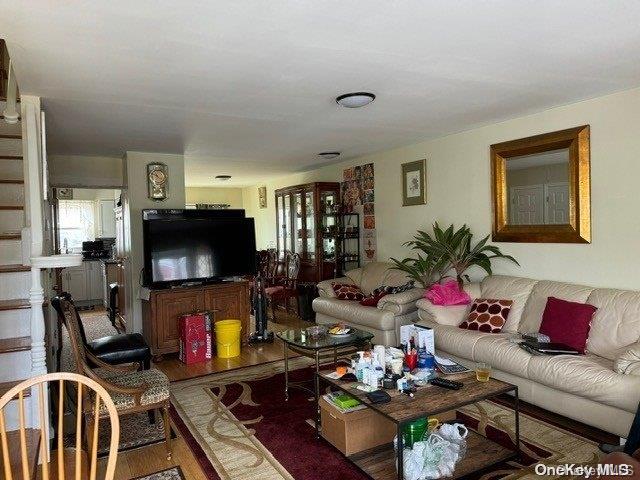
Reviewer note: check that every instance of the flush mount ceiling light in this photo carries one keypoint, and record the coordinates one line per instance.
(355, 99)
(223, 178)
(329, 155)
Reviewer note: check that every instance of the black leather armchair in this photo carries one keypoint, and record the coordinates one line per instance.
(114, 349)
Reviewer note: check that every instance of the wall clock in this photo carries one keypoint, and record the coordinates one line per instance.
(158, 179)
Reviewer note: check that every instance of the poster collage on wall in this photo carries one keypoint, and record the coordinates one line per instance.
(358, 196)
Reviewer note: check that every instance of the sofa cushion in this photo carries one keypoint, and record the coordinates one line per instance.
(517, 289)
(353, 312)
(616, 324)
(451, 315)
(503, 354)
(375, 274)
(454, 340)
(587, 376)
(567, 322)
(537, 301)
(487, 315)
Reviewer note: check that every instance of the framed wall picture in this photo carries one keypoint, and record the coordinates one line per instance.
(262, 197)
(414, 183)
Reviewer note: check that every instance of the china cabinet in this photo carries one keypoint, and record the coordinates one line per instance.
(299, 213)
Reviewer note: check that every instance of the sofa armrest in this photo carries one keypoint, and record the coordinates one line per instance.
(401, 303)
(628, 362)
(325, 289)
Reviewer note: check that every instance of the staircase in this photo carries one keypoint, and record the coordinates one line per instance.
(15, 277)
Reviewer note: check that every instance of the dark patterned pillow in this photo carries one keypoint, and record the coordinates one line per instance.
(487, 315)
(379, 290)
(401, 288)
(397, 289)
(345, 291)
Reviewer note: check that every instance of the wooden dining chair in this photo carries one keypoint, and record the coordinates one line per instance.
(67, 463)
(132, 391)
(285, 287)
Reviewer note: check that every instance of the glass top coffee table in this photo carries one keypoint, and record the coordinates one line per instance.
(321, 348)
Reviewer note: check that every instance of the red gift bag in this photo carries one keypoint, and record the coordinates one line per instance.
(194, 330)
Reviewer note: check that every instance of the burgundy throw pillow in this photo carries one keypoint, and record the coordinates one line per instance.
(372, 300)
(345, 291)
(567, 322)
(487, 315)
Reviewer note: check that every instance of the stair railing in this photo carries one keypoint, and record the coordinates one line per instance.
(10, 113)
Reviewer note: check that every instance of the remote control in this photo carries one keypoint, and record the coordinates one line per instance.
(444, 383)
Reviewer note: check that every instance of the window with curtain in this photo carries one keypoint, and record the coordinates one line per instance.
(76, 219)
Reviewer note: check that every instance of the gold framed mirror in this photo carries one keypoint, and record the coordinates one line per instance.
(541, 188)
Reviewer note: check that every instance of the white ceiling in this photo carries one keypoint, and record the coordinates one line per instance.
(247, 87)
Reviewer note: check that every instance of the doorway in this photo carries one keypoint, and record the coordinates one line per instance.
(84, 221)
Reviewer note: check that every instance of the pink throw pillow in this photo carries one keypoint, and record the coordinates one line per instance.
(567, 322)
(447, 293)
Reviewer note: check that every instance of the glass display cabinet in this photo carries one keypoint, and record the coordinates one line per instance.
(300, 212)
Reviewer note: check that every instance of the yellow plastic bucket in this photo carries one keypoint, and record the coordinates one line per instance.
(228, 338)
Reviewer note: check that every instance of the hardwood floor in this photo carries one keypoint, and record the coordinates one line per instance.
(151, 459)
(249, 355)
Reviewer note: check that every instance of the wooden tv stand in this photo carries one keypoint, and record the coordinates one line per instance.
(161, 312)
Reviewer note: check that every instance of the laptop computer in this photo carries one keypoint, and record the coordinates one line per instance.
(551, 348)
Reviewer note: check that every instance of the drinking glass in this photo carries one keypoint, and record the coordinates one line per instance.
(483, 372)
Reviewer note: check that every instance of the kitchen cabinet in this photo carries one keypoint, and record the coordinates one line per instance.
(107, 225)
(74, 281)
(84, 282)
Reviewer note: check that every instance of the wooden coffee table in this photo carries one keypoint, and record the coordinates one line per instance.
(429, 401)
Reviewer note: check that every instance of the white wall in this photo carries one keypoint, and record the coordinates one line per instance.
(459, 191)
(85, 171)
(134, 201)
(230, 195)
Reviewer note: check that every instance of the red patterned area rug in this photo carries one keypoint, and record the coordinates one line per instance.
(239, 427)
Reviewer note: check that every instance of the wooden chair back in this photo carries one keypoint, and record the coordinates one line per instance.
(272, 263)
(267, 263)
(292, 269)
(57, 304)
(72, 322)
(64, 460)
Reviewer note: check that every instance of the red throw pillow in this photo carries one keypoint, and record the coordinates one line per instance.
(567, 322)
(372, 300)
(487, 315)
(345, 291)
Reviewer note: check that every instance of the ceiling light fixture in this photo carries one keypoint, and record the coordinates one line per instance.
(223, 178)
(329, 155)
(355, 99)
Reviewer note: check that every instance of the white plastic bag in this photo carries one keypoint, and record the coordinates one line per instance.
(438, 455)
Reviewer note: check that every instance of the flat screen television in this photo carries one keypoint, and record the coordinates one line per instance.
(196, 246)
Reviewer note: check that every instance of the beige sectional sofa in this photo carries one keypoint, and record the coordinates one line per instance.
(601, 388)
(383, 321)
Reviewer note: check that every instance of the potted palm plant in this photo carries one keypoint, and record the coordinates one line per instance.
(445, 251)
